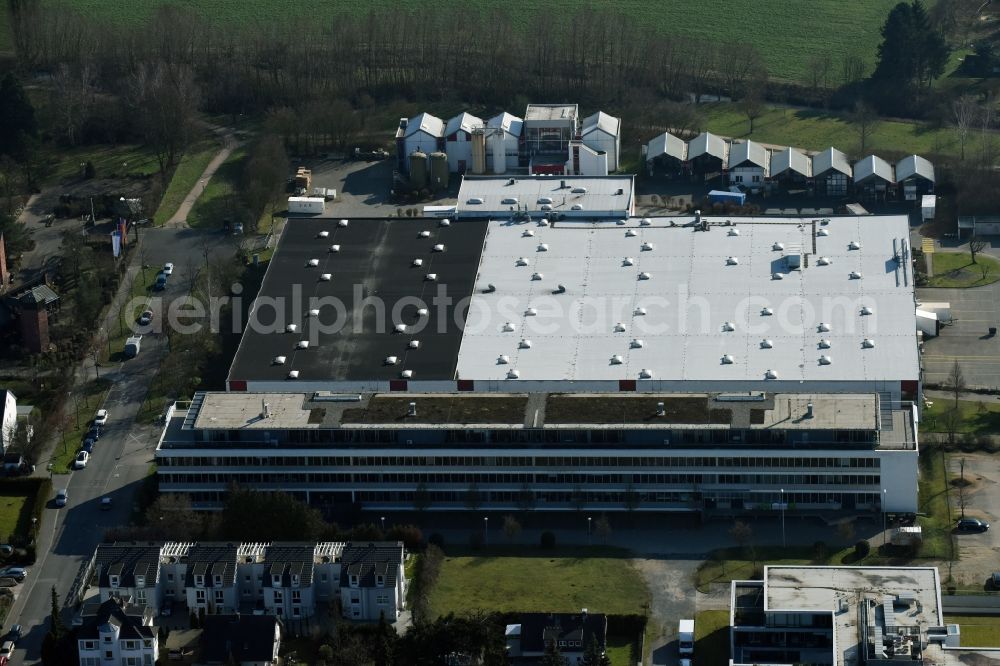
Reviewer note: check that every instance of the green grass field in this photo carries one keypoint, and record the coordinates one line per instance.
(218, 200)
(186, 175)
(556, 581)
(81, 406)
(955, 269)
(977, 630)
(936, 521)
(976, 417)
(711, 638)
(62, 164)
(15, 515)
(779, 29)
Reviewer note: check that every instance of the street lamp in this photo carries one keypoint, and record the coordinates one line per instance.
(383, 524)
(49, 468)
(884, 491)
(34, 528)
(783, 517)
(486, 530)
(589, 519)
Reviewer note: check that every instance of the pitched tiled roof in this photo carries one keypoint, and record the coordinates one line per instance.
(127, 560)
(368, 560)
(601, 121)
(537, 628)
(211, 560)
(289, 559)
(129, 620)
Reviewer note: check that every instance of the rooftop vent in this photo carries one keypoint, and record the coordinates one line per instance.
(867, 343)
(445, 222)
(422, 312)
(732, 261)
(823, 327)
(855, 275)
(777, 276)
(474, 201)
(854, 245)
(414, 344)
(544, 222)
(314, 262)
(823, 232)
(823, 261)
(524, 344)
(621, 222)
(645, 222)
(727, 359)
(530, 312)
(303, 344)
(825, 360)
(528, 232)
(638, 312)
(866, 310)
(630, 233)
(771, 374)
(424, 234)
(661, 410)
(766, 344)
(335, 248)
(616, 359)
(325, 277)
(646, 246)
(619, 327)
(418, 262)
(314, 312)
(513, 374)
(279, 360)
(294, 374)
(490, 288)
(503, 359)
(644, 275)
(543, 247)
(645, 374)
(406, 374)
(628, 261)
(733, 232)
(509, 201)
(579, 190)
(544, 200)
(537, 276)
(391, 360)
(824, 344)
(766, 312)
(400, 328)
(576, 207)
(637, 343)
(778, 247)
(291, 328)
(521, 261)
(324, 234)
(411, 409)
(431, 277)
(507, 327)
(342, 223)
(438, 248)
(728, 326)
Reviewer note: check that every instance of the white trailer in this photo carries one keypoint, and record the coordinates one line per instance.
(685, 637)
(306, 205)
(928, 203)
(132, 345)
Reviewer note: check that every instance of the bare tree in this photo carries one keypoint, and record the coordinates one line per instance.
(602, 528)
(976, 245)
(852, 69)
(752, 104)
(865, 121)
(74, 96)
(511, 528)
(846, 532)
(956, 382)
(741, 533)
(818, 67)
(964, 111)
(164, 98)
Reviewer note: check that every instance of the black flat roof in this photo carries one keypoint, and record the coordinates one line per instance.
(374, 260)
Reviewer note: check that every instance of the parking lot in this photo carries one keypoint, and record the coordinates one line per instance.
(967, 340)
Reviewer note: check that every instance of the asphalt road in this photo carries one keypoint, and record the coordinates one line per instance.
(121, 459)
(967, 340)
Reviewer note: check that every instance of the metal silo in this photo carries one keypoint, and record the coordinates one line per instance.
(418, 170)
(478, 152)
(499, 152)
(439, 171)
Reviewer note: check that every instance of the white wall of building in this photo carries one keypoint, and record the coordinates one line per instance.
(9, 425)
(425, 142)
(899, 480)
(749, 176)
(599, 140)
(459, 152)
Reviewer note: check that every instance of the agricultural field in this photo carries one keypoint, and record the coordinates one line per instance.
(779, 29)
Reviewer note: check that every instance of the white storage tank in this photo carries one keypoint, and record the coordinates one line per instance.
(498, 152)
(306, 205)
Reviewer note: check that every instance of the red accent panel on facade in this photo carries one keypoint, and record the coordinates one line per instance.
(397, 384)
(626, 384)
(237, 385)
(466, 385)
(908, 387)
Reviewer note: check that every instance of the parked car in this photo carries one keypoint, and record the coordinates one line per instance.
(146, 318)
(82, 458)
(61, 497)
(17, 573)
(101, 418)
(105, 503)
(6, 650)
(161, 282)
(168, 268)
(94, 433)
(973, 525)
(14, 633)
(995, 580)
(88, 445)
(167, 609)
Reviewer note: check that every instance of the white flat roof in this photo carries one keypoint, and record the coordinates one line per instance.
(691, 292)
(600, 199)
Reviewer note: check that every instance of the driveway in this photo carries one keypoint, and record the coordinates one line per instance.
(967, 340)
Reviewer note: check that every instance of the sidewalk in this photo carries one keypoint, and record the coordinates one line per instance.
(229, 144)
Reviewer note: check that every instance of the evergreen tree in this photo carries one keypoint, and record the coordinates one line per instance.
(911, 56)
(17, 118)
(552, 656)
(592, 653)
(56, 626)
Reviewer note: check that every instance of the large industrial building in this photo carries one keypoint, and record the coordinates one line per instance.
(528, 359)
(550, 139)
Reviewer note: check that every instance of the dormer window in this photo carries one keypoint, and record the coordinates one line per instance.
(115, 581)
(218, 580)
(379, 581)
(199, 580)
(295, 580)
(354, 580)
(276, 580)
(140, 581)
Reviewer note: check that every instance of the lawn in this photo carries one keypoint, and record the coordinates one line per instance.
(15, 515)
(976, 417)
(955, 269)
(977, 630)
(711, 638)
(218, 201)
(817, 130)
(81, 405)
(619, 649)
(64, 164)
(936, 520)
(562, 581)
(779, 29)
(185, 177)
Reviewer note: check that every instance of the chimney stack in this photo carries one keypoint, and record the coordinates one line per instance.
(809, 410)
(661, 409)
(412, 410)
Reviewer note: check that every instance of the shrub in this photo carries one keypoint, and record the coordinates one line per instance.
(820, 551)
(89, 171)
(548, 540)
(436, 540)
(476, 540)
(862, 548)
(410, 535)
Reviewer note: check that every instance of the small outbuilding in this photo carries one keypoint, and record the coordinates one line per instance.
(666, 154)
(749, 165)
(424, 133)
(915, 177)
(873, 178)
(708, 155)
(831, 173)
(458, 141)
(791, 168)
(602, 133)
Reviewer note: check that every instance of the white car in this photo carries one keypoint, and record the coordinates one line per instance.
(61, 497)
(101, 418)
(82, 458)
(168, 268)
